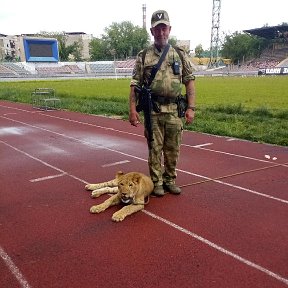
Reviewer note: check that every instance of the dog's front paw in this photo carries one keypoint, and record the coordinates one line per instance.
(95, 194)
(89, 187)
(118, 216)
(97, 209)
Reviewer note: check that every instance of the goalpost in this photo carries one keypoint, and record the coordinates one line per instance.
(123, 72)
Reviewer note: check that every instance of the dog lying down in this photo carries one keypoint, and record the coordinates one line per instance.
(130, 189)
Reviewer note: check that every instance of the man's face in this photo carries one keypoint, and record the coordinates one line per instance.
(161, 34)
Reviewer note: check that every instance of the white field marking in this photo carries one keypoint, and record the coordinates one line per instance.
(218, 248)
(14, 269)
(47, 177)
(75, 139)
(115, 163)
(112, 129)
(70, 120)
(44, 163)
(179, 228)
(231, 139)
(12, 113)
(202, 145)
(232, 154)
(138, 158)
(236, 187)
(94, 125)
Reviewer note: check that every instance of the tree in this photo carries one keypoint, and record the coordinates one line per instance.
(199, 51)
(242, 46)
(172, 41)
(125, 38)
(65, 51)
(141, 40)
(99, 50)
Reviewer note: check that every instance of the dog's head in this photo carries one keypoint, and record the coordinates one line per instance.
(128, 186)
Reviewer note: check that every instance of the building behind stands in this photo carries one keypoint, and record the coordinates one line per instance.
(29, 55)
(35, 56)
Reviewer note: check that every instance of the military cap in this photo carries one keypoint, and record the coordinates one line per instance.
(160, 17)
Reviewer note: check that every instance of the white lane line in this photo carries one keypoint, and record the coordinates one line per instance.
(177, 227)
(116, 130)
(236, 187)
(202, 145)
(47, 177)
(115, 163)
(92, 125)
(218, 248)
(227, 153)
(76, 139)
(138, 158)
(44, 163)
(14, 269)
(12, 113)
(232, 154)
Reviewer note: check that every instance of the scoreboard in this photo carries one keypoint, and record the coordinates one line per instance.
(41, 50)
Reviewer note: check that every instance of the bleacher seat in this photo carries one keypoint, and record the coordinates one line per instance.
(16, 67)
(6, 72)
(103, 68)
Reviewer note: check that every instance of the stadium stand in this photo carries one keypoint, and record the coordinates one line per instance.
(6, 72)
(57, 69)
(53, 70)
(125, 64)
(270, 58)
(274, 56)
(124, 68)
(75, 69)
(283, 63)
(18, 68)
(102, 68)
(91, 69)
(33, 65)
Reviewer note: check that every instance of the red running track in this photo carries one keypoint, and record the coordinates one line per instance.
(228, 228)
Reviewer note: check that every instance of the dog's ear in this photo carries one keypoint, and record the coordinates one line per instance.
(118, 174)
(136, 178)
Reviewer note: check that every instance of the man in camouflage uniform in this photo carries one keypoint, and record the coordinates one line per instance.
(167, 127)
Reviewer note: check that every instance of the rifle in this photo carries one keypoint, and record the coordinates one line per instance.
(145, 102)
(182, 104)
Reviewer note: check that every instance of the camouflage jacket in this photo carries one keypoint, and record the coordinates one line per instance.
(165, 82)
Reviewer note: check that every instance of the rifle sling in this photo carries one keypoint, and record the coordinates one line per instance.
(158, 65)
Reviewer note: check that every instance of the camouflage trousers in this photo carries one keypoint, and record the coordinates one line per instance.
(167, 134)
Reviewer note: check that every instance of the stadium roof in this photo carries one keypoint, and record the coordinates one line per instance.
(271, 32)
(75, 33)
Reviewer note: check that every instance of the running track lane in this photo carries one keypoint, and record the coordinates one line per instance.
(227, 229)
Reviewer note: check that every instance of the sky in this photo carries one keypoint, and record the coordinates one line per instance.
(190, 20)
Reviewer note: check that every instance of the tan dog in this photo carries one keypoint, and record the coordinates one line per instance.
(131, 189)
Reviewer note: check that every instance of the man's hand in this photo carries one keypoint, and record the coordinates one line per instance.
(134, 118)
(189, 116)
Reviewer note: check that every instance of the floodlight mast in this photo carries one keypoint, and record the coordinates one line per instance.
(214, 43)
(144, 15)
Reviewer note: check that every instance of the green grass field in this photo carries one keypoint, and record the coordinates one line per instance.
(252, 108)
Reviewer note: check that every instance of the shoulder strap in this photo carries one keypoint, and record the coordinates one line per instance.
(157, 66)
(179, 53)
(144, 55)
(175, 47)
